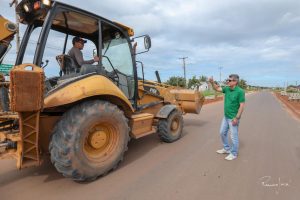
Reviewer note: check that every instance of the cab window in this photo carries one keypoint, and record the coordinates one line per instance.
(117, 58)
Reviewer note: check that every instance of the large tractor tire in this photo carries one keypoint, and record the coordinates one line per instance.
(89, 140)
(170, 129)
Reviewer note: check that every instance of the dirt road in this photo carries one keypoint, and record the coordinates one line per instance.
(268, 166)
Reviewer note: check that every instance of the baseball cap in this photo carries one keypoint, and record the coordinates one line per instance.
(78, 39)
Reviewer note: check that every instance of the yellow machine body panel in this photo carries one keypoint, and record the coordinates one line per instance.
(189, 101)
(7, 28)
(130, 31)
(95, 85)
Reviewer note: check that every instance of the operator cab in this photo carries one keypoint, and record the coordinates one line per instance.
(55, 24)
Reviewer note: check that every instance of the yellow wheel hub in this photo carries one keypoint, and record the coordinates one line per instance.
(98, 139)
(174, 125)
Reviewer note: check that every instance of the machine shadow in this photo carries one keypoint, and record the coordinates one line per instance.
(46, 169)
(137, 148)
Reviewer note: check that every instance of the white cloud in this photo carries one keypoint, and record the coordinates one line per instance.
(250, 37)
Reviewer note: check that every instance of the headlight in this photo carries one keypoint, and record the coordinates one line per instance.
(26, 7)
(46, 2)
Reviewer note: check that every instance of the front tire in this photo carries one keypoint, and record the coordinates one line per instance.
(89, 140)
(170, 129)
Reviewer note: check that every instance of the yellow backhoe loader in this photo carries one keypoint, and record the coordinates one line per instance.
(83, 117)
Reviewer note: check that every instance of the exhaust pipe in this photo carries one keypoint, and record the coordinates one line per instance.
(157, 76)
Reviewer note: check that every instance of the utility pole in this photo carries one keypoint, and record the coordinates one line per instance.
(183, 62)
(220, 69)
(15, 2)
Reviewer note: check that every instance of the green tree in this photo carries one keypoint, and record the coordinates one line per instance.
(203, 78)
(193, 82)
(243, 83)
(176, 81)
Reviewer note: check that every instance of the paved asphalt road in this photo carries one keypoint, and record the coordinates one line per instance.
(268, 166)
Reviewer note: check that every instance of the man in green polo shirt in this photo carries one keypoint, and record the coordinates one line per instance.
(234, 102)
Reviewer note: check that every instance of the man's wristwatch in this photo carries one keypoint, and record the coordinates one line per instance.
(238, 118)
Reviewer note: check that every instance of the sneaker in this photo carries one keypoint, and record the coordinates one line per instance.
(223, 151)
(230, 157)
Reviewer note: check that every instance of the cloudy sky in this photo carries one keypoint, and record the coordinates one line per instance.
(259, 40)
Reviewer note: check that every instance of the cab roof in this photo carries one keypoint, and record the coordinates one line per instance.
(37, 14)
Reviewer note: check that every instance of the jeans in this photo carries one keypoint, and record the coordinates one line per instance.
(225, 127)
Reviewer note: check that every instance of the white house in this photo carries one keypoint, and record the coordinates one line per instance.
(203, 86)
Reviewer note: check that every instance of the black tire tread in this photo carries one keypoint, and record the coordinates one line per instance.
(163, 128)
(62, 139)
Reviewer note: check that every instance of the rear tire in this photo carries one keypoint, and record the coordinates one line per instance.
(89, 140)
(170, 129)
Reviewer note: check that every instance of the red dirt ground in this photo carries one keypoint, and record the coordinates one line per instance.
(293, 106)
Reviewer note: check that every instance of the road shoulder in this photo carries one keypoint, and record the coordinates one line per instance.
(292, 107)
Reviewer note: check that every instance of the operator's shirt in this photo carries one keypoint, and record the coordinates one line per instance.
(232, 99)
(77, 56)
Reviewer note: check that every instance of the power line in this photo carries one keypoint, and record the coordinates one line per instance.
(184, 71)
(220, 68)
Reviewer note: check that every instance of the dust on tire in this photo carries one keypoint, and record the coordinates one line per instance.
(165, 131)
(67, 145)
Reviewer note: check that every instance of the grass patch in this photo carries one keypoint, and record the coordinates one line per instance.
(210, 92)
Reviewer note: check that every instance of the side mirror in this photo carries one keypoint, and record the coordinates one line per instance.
(147, 42)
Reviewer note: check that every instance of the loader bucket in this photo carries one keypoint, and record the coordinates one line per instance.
(191, 101)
